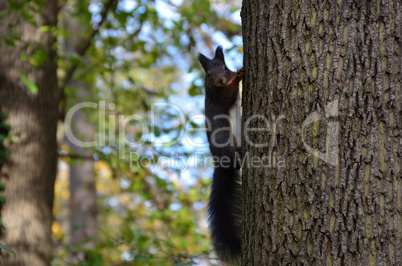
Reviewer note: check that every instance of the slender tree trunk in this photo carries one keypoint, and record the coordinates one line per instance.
(30, 170)
(326, 75)
(83, 208)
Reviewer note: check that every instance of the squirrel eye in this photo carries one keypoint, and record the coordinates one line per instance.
(226, 68)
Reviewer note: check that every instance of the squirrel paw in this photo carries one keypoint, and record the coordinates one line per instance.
(240, 73)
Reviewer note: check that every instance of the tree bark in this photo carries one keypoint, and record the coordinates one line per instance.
(31, 166)
(326, 76)
(83, 209)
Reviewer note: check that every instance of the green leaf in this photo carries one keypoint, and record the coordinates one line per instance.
(40, 2)
(15, 4)
(3, 156)
(4, 128)
(29, 84)
(9, 42)
(194, 91)
(8, 249)
(44, 28)
(157, 131)
(38, 58)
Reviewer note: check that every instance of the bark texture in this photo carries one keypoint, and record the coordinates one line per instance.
(342, 60)
(30, 170)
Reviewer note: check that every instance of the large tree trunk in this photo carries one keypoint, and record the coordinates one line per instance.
(30, 170)
(329, 72)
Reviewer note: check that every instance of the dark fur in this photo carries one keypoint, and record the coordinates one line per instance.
(224, 209)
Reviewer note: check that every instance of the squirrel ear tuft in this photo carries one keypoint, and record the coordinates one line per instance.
(219, 53)
(204, 61)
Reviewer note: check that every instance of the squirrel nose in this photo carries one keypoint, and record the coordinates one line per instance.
(221, 80)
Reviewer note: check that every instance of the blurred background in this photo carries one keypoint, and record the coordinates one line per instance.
(139, 194)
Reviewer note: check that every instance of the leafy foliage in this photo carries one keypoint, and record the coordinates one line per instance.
(138, 54)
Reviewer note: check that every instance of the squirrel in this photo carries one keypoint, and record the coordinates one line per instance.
(224, 208)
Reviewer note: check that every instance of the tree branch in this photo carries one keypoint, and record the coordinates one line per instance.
(77, 156)
(81, 49)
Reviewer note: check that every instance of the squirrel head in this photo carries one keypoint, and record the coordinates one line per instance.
(217, 74)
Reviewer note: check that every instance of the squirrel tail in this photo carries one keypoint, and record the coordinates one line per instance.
(224, 214)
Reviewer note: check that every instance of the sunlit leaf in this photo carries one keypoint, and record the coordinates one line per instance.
(29, 84)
